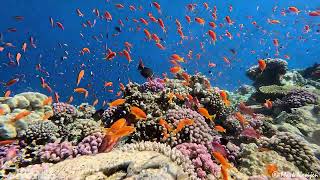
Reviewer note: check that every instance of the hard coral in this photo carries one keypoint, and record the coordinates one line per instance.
(275, 69)
(201, 159)
(90, 144)
(295, 150)
(41, 132)
(154, 85)
(199, 132)
(64, 109)
(295, 99)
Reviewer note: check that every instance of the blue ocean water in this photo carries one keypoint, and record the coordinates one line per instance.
(52, 44)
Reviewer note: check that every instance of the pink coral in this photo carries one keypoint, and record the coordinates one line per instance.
(200, 158)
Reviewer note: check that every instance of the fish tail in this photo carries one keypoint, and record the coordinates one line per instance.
(213, 117)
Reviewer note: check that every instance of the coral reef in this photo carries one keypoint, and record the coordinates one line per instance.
(200, 158)
(31, 101)
(295, 150)
(136, 161)
(41, 132)
(273, 73)
(295, 99)
(254, 162)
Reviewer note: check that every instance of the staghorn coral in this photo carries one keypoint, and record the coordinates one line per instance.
(201, 159)
(294, 149)
(295, 99)
(273, 73)
(41, 132)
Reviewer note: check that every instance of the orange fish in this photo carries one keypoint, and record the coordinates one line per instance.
(24, 47)
(223, 161)
(1, 48)
(220, 129)
(47, 101)
(262, 64)
(56, 97)
(175, 69)
(204, 112)
(119, 6)
(164, 123)
(82, 90)
(47, 116)
(185, 76)
(268, 104)
(182, 123)
(224, 173)
(157, 6)
(294, 9)
(127, 55)
(2, 112)
(117, 130)
(179, 96)
(199, 20)
(108, 16)
(7, 93)
(147, 33)
(117, 102)
(160, 46)
(188, 18)
(224, 98)
(271, 169)
(145, 22)
(273, 21)
(240, 118)
(110, 55)
(80, 14)
(229, 21)
(176, 57)
(20, 116)
(213, 25)
(95, 102)
(171, 96)
(212, 64)
(5, 142)
(276, 42)
(60, 25)
(161, 23)
(18, 57)
(122, 88)
(108, 84)
(155, 38)
(80, 76)
(213, 36)
(86, 50)
(139, 113)
(70, 100)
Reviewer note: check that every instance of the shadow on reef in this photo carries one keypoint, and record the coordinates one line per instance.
(180, 128)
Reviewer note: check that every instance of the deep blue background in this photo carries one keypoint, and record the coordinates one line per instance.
(303, 48)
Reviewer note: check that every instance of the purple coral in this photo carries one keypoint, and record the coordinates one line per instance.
(296, 98)
(55, 152)
(4, 152)
(90, 144)
(154, 85)
(200, 157)
(199, 132)
(60, 109)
